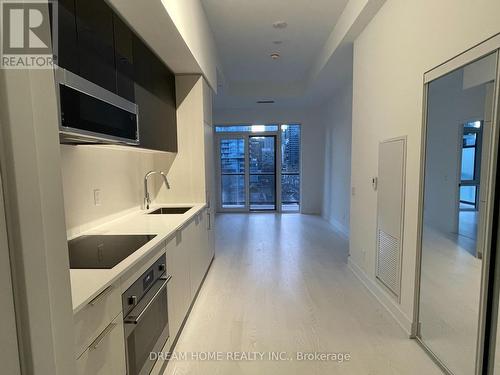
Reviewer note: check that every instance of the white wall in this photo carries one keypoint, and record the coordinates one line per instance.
(312, 134)
(30, 163)
(405, 39)
(117, 172)
(449, 108)
(9, 357)
(337, 118)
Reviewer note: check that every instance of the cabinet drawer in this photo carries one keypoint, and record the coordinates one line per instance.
(93, 318)
(106, 354)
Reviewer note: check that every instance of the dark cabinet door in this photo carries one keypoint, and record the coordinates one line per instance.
(142, 56)
(94, 21)
(164, 89)
(124, 59)
(155, 96)
(67, 50)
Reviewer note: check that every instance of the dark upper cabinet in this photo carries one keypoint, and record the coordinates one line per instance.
(164, 88)
(96, 56)
(124, 59)
(155, 95)
(143, 75)
(67, 51)
(97, 45)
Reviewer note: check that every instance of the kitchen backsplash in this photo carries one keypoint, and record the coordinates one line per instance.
(101, 182)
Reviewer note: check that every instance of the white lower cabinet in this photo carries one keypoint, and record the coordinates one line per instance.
(106, 354)
(205, 247)
(100, 344)
(207, 239)
(211, 234)
(95, 317)
(188, 258)
(179, 288)
(195, 254)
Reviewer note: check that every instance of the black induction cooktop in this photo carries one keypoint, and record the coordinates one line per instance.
(103, 251)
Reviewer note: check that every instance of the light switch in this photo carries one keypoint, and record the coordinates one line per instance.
(97, 197)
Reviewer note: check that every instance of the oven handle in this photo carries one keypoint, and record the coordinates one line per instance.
(137, 319)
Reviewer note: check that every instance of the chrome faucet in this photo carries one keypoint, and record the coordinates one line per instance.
(147, 198)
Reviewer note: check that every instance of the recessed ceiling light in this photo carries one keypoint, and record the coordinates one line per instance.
(275, 56)
(280, 25)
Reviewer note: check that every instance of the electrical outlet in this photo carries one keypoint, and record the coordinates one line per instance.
(97, 197)
(353, 191)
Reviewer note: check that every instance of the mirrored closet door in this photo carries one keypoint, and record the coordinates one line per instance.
(457, 205)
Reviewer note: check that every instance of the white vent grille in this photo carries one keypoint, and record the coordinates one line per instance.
(388, 263)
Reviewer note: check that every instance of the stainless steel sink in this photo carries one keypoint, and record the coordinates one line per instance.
(170, 210)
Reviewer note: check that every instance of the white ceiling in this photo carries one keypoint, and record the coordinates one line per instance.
(244, 34)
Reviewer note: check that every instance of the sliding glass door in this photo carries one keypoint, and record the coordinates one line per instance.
(259, 167)
(262, 173)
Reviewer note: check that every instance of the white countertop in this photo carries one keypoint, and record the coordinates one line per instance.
(86, 284)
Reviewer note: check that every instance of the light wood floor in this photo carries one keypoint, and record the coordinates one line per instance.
(281, 283)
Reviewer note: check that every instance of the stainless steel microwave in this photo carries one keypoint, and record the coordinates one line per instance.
(89, 113)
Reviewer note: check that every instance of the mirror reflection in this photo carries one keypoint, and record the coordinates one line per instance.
(458, 137)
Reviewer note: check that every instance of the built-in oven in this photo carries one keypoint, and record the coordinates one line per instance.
(91, 114)
(145, 311)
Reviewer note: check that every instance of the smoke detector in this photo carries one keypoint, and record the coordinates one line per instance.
(280, 25)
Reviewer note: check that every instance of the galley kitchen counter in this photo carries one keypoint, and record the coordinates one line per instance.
(86, 284)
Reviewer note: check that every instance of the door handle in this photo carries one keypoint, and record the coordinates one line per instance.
(100, 296)
(138, 318)
(101, 337)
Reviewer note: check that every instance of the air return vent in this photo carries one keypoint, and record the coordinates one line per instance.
(388, 253)
(265, 102)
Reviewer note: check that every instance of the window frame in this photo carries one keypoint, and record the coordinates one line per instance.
(278, 175)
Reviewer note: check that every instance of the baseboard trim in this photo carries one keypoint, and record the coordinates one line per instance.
(382, 297)
(340, 228)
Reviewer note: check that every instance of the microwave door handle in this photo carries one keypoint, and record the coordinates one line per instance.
(138, 318)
